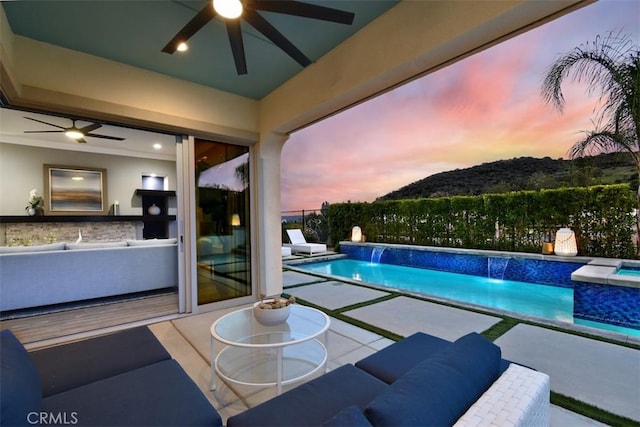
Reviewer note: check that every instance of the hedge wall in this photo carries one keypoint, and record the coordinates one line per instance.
(519, 221)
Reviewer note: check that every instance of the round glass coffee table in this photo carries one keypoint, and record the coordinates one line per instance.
(258, 355)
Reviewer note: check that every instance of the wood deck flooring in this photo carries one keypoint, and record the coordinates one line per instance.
(30, 330)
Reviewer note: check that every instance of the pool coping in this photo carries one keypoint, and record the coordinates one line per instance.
(604, 271)
(485, 252)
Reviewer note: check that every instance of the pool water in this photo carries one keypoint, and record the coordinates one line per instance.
(548, 302)
(628, 272)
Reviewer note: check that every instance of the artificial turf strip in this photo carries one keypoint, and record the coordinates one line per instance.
(591, 411)
(362, 325)
(300, 285)
(374, 329)
(369, 302)
(500, 328)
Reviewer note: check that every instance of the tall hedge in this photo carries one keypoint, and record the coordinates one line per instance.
(520, 221)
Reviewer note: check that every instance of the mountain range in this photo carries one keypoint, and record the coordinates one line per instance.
(523, 173)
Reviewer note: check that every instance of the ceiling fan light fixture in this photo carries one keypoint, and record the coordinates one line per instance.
(182, 47)
(229, 9)
(74, 133)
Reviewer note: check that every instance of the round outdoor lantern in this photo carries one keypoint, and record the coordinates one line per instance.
(565, 244)
(356, 234)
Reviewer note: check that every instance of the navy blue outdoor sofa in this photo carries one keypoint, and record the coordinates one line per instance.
(129, 379)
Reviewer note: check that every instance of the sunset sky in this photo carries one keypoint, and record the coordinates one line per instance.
(485, 108)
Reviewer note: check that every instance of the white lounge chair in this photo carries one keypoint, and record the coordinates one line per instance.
(299, 243)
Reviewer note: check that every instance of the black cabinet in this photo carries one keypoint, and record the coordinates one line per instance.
(155, 213)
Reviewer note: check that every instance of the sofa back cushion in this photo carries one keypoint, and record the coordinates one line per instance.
(394, 361)
(35, 248)
(474, 356)
(19, 382)
(440, 389)
(153, 242)
(72, 365)
(96, 245)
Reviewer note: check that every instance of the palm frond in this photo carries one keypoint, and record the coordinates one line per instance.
(610, 67)
(595, 63)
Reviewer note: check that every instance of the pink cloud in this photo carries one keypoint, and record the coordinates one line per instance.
(485, 108)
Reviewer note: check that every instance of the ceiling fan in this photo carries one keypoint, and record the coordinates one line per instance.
(74, 132)
(234, 10)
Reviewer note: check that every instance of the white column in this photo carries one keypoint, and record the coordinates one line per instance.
(267, 213)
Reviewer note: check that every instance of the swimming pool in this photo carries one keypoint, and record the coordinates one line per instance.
(554, 302)
(550, 302)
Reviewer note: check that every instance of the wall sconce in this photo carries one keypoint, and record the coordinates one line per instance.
(235, 220)
(565, 244)
(356, 234)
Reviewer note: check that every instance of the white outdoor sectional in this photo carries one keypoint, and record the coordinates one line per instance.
(33, 276)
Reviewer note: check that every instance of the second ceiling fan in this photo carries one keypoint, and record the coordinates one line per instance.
(248, 11)
(74, 132)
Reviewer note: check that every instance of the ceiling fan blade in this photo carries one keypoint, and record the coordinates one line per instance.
(80, 140)
(90, 127)
(237, 46)
(197, 22)
(40, 121)
(262, 25)
(43, 131)
(306, 10)
(95, 135)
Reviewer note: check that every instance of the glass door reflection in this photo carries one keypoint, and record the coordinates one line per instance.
(222, 221)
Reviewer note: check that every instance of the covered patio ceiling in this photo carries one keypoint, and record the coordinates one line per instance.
(134, 33)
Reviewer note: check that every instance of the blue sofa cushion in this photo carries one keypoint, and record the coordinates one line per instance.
(72, 365)
(161, 394)
(314, 402)
(394, 361)
(351, 416)
(20, 392)
(440, 389)
(477, 358)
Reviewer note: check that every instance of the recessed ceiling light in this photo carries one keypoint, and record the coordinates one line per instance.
(157, 146)
(182, 47)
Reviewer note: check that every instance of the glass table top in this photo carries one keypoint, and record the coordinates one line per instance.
(240, 328)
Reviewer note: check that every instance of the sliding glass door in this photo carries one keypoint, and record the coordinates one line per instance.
(223, 250)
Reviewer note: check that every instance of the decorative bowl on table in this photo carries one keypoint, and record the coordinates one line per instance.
(273, 311)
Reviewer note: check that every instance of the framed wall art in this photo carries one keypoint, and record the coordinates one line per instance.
(71, 190)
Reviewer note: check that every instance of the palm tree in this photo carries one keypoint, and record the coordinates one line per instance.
(609, 66)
